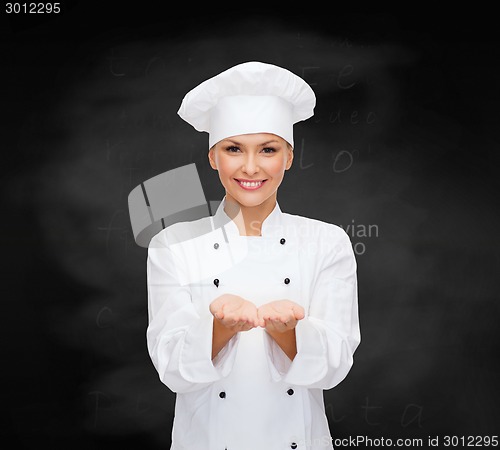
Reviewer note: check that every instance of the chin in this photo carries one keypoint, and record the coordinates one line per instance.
(249, 200)
(249, 203)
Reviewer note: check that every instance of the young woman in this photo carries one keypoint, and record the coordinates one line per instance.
(253, 312)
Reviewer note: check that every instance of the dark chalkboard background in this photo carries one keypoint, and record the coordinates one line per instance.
(403, 152)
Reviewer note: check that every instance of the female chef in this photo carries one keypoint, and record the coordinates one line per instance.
(252, 312)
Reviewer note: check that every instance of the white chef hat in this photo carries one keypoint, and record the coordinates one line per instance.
(252, 97)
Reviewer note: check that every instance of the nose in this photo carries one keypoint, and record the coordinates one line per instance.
(250, 165)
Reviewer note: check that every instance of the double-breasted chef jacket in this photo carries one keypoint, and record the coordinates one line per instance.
(251, 395)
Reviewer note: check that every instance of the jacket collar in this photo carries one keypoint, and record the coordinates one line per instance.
(271, 227)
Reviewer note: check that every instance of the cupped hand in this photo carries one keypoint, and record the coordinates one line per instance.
(280, 316)
(235, 313)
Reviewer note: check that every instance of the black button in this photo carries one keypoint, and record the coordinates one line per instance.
(293, 445)
(222, 394)
(282, 241)
(216, 246)
(287, 280)
(216, 282)
(290, 392)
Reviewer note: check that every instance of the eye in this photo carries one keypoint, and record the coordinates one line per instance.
(232, 149)
(269, 150)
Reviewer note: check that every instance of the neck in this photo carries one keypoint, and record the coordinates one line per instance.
(249, 219)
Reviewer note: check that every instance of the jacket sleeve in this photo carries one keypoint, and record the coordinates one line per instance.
(179, 336)
(329, 334)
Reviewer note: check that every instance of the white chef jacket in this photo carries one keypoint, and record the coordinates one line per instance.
(251, 395)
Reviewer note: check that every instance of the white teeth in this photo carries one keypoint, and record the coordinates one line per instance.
(250, 183)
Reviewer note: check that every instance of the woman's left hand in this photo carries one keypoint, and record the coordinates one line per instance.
(280, 315)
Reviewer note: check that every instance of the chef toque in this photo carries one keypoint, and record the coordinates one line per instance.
(252, 97)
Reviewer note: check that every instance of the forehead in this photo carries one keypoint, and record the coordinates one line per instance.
(254, 139)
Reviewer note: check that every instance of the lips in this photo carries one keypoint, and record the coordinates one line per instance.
(250, 185)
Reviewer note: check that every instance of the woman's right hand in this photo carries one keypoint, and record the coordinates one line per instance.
(235, 313)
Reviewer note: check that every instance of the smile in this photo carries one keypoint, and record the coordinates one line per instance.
(250, 185)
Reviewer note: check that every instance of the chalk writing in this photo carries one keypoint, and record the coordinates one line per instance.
(353, 117)
(110, 227)
(342, 161)
(416, 411)
(302, 166)
(411, 413)
(99, 397)
(113, 60)
(101, 320)
(366, 407)
(345, 72)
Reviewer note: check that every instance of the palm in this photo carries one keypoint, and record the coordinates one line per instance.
(235, 313)
(280, 315)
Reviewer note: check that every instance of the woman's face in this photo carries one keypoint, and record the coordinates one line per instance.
(251, 166)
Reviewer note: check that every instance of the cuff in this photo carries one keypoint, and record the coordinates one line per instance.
(277, 360)
(224, 360)
(195, 363)
(310, 363)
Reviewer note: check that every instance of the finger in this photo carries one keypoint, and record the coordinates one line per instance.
(279, 325)
(244, 325)
(270, 326)
(252, 320)
(256, 320)
(213, 308)
(262, 314)
(284, 318)
(220, 313)
(290, 324)
(242, 318)
(248, 327)
(217, 313)
(298, 312)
